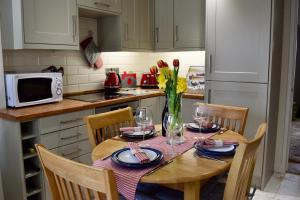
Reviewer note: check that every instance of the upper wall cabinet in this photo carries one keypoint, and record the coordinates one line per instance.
(179, 24)
(164, 24)
(39, 24)
(238, 38)
(133, 30)
(113, 6)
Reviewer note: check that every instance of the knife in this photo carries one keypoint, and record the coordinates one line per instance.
(155, 169)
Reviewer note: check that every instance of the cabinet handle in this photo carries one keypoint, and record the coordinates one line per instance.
(176, 33)
(74, 18)
(209, 63)
(126, 32)
(102, 4)
(69, 121)
(209, 96)
(75, 151)
(71, 136)
(157, 32)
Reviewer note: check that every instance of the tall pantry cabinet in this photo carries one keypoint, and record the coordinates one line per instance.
(238, 37)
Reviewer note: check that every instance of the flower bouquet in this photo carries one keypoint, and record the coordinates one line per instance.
(173, 87)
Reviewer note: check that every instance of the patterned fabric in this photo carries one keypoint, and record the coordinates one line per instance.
(127, 179)
(138, 153)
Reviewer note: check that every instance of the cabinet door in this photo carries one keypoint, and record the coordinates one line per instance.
(163, 24)
(251, 95)
(50, 22)
(189, 24)
(238, 37)
(129, 24)
(145, 23)
(153, 105)
(107, 5)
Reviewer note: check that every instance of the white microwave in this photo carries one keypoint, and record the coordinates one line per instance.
(33, 88)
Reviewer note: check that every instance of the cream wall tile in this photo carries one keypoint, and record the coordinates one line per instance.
(90, 86)
(52, 60)
(70, 89)
(96, 78)
(76, 60)
(71, 70)
(20, 58)
(77, 79)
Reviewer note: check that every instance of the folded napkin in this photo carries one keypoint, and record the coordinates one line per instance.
(211, 143)
(138, 153)
(135, 129)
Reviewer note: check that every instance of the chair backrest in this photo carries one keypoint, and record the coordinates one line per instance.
(240, 173)
(69, 180)
(106, 125)
(230, 117)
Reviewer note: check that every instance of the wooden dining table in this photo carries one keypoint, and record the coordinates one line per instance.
(186, 172)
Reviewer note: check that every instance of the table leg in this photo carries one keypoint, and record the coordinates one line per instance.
(192, 190)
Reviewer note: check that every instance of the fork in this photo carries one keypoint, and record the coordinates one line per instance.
(162, 165)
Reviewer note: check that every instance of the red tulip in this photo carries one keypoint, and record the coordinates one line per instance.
(176, 63)
(160, 63)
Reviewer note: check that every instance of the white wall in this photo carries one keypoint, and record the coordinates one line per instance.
(79, 77)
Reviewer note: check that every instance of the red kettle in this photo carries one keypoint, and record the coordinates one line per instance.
(112, 81)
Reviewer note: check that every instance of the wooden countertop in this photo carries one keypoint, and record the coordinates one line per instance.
(68, 105)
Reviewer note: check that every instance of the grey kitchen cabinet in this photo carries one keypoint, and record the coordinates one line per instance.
(238, 40)
(39, 24)
(163, 24)
(113, 6)
(179, 24)
(64, 134)
(152, 104)
(187, 109)
(132, 30)
(189, 24)
(251, 95)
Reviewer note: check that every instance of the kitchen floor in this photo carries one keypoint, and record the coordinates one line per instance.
(287, 188)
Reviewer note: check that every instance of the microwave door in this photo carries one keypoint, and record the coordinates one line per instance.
(34, 90)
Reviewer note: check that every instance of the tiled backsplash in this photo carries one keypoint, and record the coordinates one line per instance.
(79, 77)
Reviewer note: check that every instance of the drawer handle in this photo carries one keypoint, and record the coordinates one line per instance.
(75, 151)
(69, 121)
(71, 136)
(101, 4)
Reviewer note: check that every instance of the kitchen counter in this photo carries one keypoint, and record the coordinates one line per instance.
(68, 105)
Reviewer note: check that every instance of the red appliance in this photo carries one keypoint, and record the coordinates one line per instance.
(112, 81)
(148, 80)
(128, 80)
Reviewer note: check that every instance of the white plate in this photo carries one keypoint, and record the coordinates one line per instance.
(139, 133)
(128, 157)
(193, 125)
(221, 149)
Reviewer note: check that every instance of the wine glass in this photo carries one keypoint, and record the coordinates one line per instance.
(200, 116)
(143, 119)
(172, 127)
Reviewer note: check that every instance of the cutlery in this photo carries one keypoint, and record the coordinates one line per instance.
(162, 165)
(211, 158)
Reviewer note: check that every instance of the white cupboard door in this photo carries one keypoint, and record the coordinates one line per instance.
(251, 95)
(189, 24)
(188, 109)
(50, 22)
(130, 31)
(107, 5)
(238, 38)
(163, 24)
(145, 23)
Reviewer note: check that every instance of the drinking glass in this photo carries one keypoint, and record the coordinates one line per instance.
(143, 119)
(173, 128)
(200, 116)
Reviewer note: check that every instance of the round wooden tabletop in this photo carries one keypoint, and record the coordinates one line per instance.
(187, 167)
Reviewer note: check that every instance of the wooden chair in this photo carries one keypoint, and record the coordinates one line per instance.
(240, 173)
(69, 180)
(230, 117)
(103, 126)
